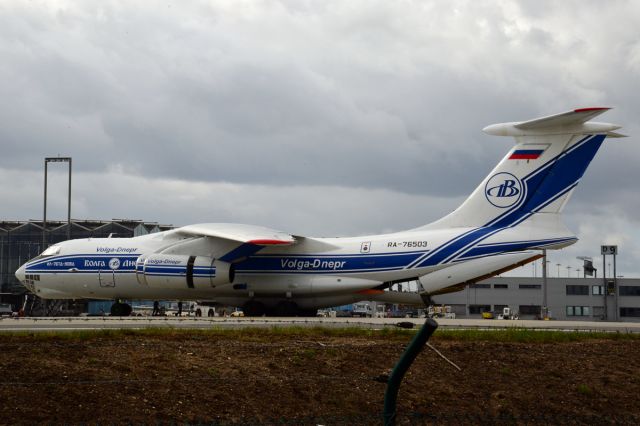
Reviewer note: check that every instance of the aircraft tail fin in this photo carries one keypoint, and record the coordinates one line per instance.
(538, 175)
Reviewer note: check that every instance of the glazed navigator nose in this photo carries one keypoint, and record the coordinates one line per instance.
(20, 274)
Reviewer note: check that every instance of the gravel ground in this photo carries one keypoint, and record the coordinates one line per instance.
(267, 377)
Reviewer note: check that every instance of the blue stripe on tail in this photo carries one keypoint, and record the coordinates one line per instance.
(542, 186)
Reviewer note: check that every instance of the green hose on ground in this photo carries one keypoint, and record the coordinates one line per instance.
(405, 361)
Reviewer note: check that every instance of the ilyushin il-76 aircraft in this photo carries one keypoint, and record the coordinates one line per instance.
(509, 218)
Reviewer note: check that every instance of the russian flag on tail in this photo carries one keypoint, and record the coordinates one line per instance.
(526, 154)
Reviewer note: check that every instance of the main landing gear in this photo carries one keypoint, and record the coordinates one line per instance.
(254, 309)
(119, 309)
(284, 308)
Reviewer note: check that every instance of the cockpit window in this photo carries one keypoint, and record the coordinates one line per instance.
(51, 251)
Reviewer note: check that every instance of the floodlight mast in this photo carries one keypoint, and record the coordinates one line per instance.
(586, 259)
(612, 251)
(48, 160)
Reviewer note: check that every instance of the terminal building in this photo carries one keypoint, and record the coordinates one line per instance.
(24, 240)
(587, 299)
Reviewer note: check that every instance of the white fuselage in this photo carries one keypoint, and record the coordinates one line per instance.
(314, 272)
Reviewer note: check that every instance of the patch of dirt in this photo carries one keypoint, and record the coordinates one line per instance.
(275, 378)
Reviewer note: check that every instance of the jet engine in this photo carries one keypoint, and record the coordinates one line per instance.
(178, 271)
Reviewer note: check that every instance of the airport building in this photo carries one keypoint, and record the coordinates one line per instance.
(588, 299)
(23, 240)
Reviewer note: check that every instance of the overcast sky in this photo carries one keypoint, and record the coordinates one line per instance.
(321, 118)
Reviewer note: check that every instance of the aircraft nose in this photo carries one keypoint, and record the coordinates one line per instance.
(20, 274)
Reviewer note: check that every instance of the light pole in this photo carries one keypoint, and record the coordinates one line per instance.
(568, 271)
(558, 269)
(48, 160)
(545, 305)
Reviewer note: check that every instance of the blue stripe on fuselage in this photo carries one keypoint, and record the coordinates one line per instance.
(81, 262)
(90, 263)
(327, 263)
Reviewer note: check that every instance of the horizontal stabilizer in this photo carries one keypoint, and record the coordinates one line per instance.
(397, 297)
(570, 122)
(569, 118)
(616, 135)
(457, 276)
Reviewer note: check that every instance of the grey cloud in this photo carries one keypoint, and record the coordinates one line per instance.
(306, 210)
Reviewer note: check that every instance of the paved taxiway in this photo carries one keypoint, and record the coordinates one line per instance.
(98, 323)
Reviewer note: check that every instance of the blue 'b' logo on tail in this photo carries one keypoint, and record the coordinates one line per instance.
(503, 190)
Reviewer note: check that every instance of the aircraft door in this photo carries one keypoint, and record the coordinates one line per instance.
(107, 278)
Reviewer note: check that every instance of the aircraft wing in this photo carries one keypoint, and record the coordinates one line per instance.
(229, 242)
(250, 234)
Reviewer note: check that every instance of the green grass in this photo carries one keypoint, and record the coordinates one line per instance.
(584, 389)
(506, 371)
(520, 335)
(511, 335)
(250, 333)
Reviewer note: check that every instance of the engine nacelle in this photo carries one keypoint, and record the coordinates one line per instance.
(177, 271)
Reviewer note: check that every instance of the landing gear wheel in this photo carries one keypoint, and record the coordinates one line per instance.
(307, 312)
(119, 309)
(286, 308)
(253, 309)
(211, 313)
